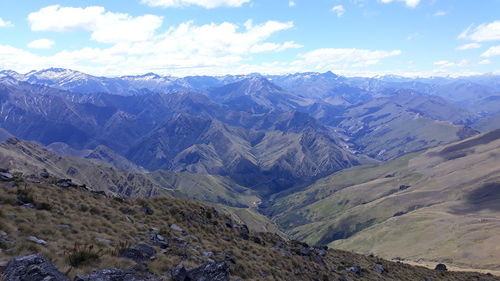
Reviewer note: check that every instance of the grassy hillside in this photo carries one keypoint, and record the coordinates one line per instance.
(104, 227)
(436, 205)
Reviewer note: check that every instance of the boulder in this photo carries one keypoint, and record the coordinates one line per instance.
(113, 274)
(139, 253)
(32, 268)
(354, 269)
(441, 267)
(179, 273)
(6, 176)
(36, 240)
(176, 227)
(211, 271)
(379, 268)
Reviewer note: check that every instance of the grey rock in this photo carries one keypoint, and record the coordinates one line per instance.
(32, 268)
(139, 253)
(208, 254)
(211, 271)
(28, 206)
(179, 273)
(102, 240)
(379, 268)
(159, 240)
(3, 233)
(33, 180)
(286, 254)
(36, 240)
(354, 269)
(113, 274)
(10, 184)
(176, 227)
(6, 176)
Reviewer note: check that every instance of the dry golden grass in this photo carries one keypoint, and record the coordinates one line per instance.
(79, 217)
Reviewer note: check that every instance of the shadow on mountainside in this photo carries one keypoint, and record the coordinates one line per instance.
(486, 197)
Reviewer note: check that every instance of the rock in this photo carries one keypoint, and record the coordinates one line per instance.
(441, 267)
(32, 268)
(139, 253)
(33, 180)
(404, 187)
(36, 240)
(6, 176)
(44, 175)
(244, 232)
(153, 229)
(147, 210)
(211, 271)
(354, 269)
(176, 227)
(302, 251)
(179, 273)
(10, 184)
(102, 240)
(28, 206)
(113, 274)
(286, 254)
(208, 254)
(159, 240)
(319, 260)
(379, 268)
(3, 233)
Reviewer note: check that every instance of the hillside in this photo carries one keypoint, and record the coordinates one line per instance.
(434, 205)
(83, 234)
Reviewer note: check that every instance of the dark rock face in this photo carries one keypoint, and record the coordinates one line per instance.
(441, 267)
(140, 252)
(147, 210)
(113, 274)
(211, 271)
(179, 273)
(32, 268)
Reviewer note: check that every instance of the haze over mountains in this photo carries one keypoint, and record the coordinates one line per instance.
(329, 159)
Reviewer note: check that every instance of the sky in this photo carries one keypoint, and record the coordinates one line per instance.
(218, 37)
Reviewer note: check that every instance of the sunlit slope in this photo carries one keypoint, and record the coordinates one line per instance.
(441, 204)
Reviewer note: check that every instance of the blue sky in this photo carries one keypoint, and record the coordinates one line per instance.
(215, 37)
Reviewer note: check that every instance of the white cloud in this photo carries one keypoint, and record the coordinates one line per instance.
(409, 3)
(291, 3)
(484, 62)
(4, 23)
(41, 44)
(339, 10)
(469, 46)
(440, 13)
(185, 49)
(106, 27)
(491, 52)
(447, 64)
(329, 58)
(482, 33)
(209, 4)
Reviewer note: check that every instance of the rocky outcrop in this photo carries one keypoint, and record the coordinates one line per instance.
(32, 268)
(113, 274)
(211, 271)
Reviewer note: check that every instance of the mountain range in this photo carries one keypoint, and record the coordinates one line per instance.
(324, 158)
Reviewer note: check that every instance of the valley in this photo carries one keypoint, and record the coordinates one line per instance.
(398, 168)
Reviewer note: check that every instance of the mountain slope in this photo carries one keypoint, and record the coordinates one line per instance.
(153, 237)
(428, 205)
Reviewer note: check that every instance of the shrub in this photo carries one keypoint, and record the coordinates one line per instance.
(44, 206)
(25, 196)
(81, 255)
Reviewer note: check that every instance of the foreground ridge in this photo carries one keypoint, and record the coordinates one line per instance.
(48, 228)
